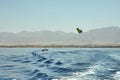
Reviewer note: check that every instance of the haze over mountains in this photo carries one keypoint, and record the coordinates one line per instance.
(109, 35)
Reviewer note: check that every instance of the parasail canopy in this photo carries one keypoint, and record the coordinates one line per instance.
(79, 30)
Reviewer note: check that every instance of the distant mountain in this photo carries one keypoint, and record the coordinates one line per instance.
(109, 35)
(103, 35)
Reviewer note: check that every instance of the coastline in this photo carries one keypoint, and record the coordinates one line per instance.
(60, 46)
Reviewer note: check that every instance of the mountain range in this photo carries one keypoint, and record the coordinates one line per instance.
(108, 35)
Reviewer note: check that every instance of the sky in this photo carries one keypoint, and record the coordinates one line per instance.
(58, 15)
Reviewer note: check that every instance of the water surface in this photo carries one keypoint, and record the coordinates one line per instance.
(60, 64)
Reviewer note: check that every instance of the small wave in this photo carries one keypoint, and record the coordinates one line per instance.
(41, 59)
(60, 69)
(49, 61)
(58, 63)
(7, 67)
(41, 76)
(34, 72)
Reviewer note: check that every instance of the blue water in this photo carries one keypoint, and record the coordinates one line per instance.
(60, 64)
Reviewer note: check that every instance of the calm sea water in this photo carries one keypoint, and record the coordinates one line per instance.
(60, 64)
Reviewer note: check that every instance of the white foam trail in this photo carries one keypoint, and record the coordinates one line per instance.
(116, 76)
(86, 75)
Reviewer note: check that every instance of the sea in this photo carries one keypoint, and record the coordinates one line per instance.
(60, 64)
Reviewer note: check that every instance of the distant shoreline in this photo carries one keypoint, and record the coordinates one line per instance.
(59, 46)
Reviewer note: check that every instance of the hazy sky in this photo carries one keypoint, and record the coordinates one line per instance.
(65, 15)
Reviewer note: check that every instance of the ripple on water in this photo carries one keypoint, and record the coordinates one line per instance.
(41, 76)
